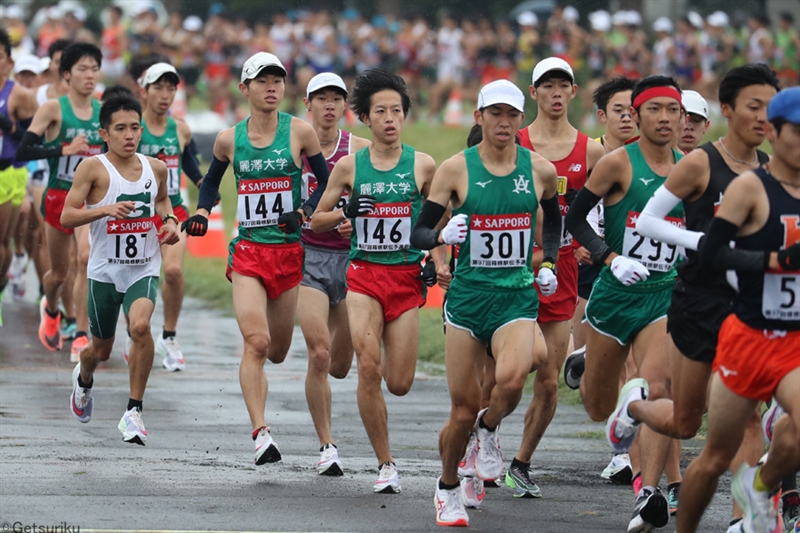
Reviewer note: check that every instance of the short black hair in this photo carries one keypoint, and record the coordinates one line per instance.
(778, 124)
(117, 90)
(140, 64)
(273, 70)
(77, 51)
(121, 102)
(5, 41)
(653, 81)
(372, 81)
(603, 94)
(553, 75)
(117, 10)
(59, 45)
(740, 77)
(787, 17)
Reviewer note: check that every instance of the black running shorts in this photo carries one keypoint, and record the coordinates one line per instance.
(694, 319)
(587, 274)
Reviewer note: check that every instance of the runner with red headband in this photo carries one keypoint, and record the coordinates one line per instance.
(628, 305)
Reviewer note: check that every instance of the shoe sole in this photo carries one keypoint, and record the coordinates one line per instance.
(133, 440)
(166, 366)
(333, 470)
(521, 493)
(656, 511)
(271, 455)
(388, 489)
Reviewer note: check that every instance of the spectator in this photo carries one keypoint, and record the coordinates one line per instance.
(450, 54)
(114, 43)
(716, 48)
(664, 47)
(21, 42)
(145, 30)
(786, 59)
(527, 45)
(51, 31)
(685, 56)
(759, 45)
(188, 58)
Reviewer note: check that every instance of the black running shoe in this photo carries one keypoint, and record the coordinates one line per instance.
(574, 368)
(651, 512)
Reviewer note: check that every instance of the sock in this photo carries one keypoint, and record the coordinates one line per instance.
(674, 486)
(484, 426)
(167, 334)
(83, 385)
(790, 499)
(80, 334)
(329, 444)
(386, 463)
(758, 484)
(445, 486)
(52, 314)
(519, 464)
(734, 522)
(71, 321)
(134, 403)
(789, 484)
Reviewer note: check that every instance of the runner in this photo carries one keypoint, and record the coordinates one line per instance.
(574, 155)
(697, 122)
(321, 305)
(491, 301)
(386, 183)
(629, 301)
(758, 353)
(125, 194)
(266, 258)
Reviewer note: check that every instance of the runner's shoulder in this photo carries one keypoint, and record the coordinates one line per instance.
(357, 143)
(614, 162)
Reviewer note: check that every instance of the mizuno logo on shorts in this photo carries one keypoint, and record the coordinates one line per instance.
(728, 372)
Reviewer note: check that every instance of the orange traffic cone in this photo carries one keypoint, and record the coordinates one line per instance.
(454, 112)
(215, 241)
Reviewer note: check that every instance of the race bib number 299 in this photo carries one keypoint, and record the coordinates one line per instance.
(500, 241)
(262, 201)
(654, 255)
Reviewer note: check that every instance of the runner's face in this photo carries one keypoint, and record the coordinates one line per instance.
(55, 63)
(693, 130)
(82, 78)
(124, 133)
(386, 116)
(619, 123)
(660, 120)
(265, 92)
(786, 144)
(748, 119)
(327, 107)
(160, 95)
(553, 96)
(27, 79)
(500, 124)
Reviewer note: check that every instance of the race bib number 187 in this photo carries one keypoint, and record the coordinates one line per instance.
(126, 241)
(654, 255)
(499, 241)
(262, 201)
(387, 228)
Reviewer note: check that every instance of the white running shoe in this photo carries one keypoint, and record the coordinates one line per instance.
(619, 470)
(489, 463)
(329, 463)
(126, 350)
(16, 275)
(472, 492)
(450, 509)
(80, 401)
(760, 513)
(132, 427)
(266, 448)
(170, 350)
(769, 418)
(388, 481)
(466, 468)
(621, 428)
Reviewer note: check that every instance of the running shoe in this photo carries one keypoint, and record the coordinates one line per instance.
(126, 350)
(651, 512)
(80, 401)
(466, 468)
(574, 368)
(450, 509)
(49, 333)
(329, 463)
(760, 513)
(519, 479)
(170, 350)
(791, 514)
(489, 463)
(67, 330)
(16, 275)
(621, 428)
(132, 427)
(735, 526)
(266, 449)
(388, 481)
(18, 288)
(619, 471)
(673, 494)
(77, 346)
(769, 417)
(472, 492)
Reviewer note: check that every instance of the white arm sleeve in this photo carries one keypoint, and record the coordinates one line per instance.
(652, 225)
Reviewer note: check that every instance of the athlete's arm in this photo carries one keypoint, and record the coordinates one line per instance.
(594, 152)
(168, 234)
(309, 143)
(425, 235)
(209, 189)
(342, 176)
(84, 180)
(32, 147)
(551, 211)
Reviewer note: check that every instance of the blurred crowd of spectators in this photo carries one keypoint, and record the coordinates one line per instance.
(452, 54)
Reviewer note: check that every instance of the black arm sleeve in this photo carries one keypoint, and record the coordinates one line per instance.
(210, 186)
(189, 164)
(551, 228)
(716, 253)
(320, 169)
(31, 148)
(424, 237)
(580, 228)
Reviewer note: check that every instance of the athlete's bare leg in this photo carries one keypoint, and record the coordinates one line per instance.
(605, 360)
(81, 289)
(140, 359)
(784, 452)
(341, 341)
(58, 244)
(579, 328)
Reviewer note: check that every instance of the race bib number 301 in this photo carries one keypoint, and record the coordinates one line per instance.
(126, 241)
(654, 255)
(499, 241)
(387, 228)
(781, 296)
(67, 164)
(262, 201)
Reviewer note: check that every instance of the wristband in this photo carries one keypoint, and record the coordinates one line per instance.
(548, 264)
(171, 216)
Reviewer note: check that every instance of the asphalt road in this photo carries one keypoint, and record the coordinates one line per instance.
(197, 472)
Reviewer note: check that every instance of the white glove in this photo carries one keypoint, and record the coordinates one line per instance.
(456, 230)
(547, 281)
(628, 271)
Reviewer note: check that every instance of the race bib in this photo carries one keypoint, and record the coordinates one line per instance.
(67, 164)
(126, 241)
(308, 189)
(654, 255)
(262, 201)
(566, 236)
(173, 176)
(781, 297)
(499, 241)
(387, 228)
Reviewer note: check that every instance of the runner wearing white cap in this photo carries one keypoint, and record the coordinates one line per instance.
(697, 121)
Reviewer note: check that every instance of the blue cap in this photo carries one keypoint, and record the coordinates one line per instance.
(785, 105)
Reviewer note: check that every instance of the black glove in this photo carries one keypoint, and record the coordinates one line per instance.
(359, 205)
(290, 222)
(196, 226)
(789, 259)
(428, 274)
(570, 195)
(5, 123)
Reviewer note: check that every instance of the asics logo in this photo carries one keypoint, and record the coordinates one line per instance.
(483, 184)
(728, 372)
(646, 182)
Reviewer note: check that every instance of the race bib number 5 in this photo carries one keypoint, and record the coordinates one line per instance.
(262, 201)
(387, 228)
(781, 296)
(67, 164)
(126, 241)
(654, 255)
(499, 241)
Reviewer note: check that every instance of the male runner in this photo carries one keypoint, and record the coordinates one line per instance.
(386, 183)
(125, 194)
(574, 155)
(758, 352)
(495, 189)
(266, 259)
(629, 301)
(697, 122)
(167, 139)
(65, 131)
(321, 305)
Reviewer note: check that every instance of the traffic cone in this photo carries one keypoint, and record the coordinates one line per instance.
(215, 242)
(178, 107)
(454, 112)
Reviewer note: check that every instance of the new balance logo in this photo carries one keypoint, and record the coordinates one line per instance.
(402, 176)
(483, 184)
(279, 151)
(728, 372)
(646, 182)
(575, 167)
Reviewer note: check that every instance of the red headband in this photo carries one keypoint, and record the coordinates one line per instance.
(655, 92)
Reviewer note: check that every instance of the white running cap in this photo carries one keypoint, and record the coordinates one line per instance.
(696, 19)
(600, 20)
(718, 19)
(323, 80)
(547, 65)
(694, 103)
(258, 62)
(663, 24)
(154, 73)
(193, 23)
(28, 62)
(571, 14)
(527, 18)
(14, 12)
(501, 92)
